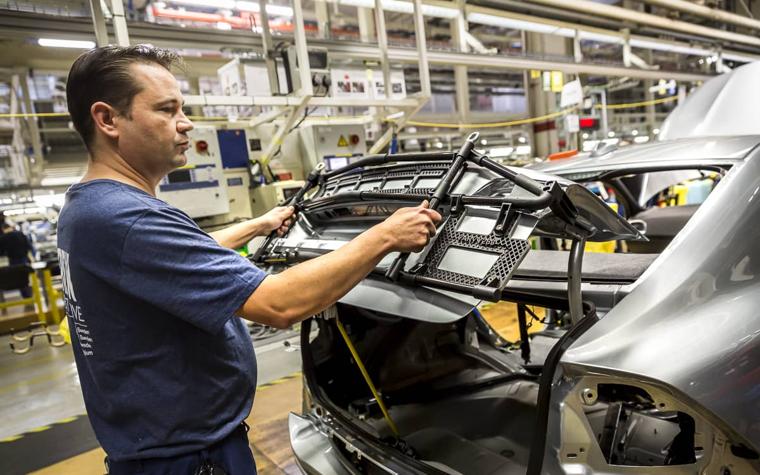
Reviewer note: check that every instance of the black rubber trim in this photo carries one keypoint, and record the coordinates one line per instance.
(374, 160)
(538, 446)
(610, 174)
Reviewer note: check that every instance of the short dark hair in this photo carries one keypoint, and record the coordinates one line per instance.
(102, 74)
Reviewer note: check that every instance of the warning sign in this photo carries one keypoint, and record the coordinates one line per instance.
(342, 142)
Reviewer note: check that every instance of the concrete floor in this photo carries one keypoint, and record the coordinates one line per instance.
(41, 388)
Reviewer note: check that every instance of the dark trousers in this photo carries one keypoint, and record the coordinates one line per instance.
(26, 292)
(232, 454)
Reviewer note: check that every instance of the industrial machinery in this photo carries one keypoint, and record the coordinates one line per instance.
(198, 188)
(335, 145)
(266, 197)
(217, 185)
(239, 147)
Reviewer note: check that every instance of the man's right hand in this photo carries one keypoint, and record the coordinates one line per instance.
(410, 229)
(322, 281)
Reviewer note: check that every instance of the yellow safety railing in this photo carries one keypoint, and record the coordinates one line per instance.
(46, 316)
(53, 314)
(52, 297)
(35, 299)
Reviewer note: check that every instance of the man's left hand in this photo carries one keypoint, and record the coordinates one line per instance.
(279, 219)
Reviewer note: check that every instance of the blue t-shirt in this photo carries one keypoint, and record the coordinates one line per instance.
(165, 366)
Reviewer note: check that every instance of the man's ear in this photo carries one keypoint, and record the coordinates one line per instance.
(104, 117)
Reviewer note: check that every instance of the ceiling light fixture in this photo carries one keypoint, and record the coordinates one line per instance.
(56, 43)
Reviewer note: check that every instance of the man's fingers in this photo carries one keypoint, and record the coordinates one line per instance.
(435, 216)
(425, 204)
(287, 211)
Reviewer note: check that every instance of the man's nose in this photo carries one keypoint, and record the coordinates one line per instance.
(184, 124)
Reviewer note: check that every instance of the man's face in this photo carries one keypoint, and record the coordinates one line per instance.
(153, 136)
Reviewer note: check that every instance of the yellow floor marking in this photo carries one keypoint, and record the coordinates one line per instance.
(38, 429)
(68, 419)
(11, 438)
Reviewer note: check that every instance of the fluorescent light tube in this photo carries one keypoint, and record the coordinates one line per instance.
(56, 43)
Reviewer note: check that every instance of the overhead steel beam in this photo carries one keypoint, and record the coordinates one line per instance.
(25, 25)
(490, 16)
(521, 64)
(634, 16)
(707, 12)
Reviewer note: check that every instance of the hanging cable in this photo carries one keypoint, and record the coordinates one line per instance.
(631, 105)
(489, 124)
(486, 125)
(530, 120)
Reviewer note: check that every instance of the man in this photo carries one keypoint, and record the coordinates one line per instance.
(16, 246)
(167, 370)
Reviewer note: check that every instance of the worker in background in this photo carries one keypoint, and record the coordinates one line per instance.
(167, 368)
(16, 246)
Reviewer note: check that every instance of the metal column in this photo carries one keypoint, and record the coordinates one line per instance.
(382, 41)
(119, 23)
(37, 162)
(304, 93)
(651, 118)
(366, 26)
(323, 19)
(99, 23)
(419, 34)
(605, 124)
(545, 136)
(461, 80)
(266, 43)
(20, 166)
(302, 53)
(424, 71)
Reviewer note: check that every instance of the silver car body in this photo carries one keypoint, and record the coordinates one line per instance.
(724, 106)
(686, 333)
(690, 325)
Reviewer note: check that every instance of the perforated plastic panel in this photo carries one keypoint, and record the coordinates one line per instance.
(511, 253)
(411, 191)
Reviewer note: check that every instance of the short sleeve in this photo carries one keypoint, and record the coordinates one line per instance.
(168, 262)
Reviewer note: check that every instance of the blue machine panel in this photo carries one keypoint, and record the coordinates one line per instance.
(233, 147)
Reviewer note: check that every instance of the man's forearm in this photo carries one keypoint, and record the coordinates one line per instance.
(312, 286)
(239, 234)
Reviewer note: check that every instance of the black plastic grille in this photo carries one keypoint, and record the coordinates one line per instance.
(511, 253)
